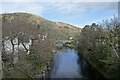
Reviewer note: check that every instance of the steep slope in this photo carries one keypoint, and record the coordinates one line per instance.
(33, 24)
(43, 33)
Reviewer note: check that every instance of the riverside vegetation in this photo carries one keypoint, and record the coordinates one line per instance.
(99, 44)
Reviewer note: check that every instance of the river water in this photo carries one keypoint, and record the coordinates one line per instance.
(65, 64)
(68, 64)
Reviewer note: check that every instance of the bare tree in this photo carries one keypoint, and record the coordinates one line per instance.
(111, 26)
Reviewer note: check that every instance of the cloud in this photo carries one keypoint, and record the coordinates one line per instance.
(9, 7)
(81, 7)
(0, 6)
(70, 7)
(61, 7)
(77, 8)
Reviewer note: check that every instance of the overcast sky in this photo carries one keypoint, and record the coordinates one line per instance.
(76, 12)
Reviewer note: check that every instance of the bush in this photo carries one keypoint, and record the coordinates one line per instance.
(105, 52)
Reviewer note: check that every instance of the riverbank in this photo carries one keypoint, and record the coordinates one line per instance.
(88, 70)
(89, 67)
(67, 61)
(100, 48)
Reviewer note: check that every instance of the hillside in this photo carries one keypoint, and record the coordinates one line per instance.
(43, 33)
(23, 21)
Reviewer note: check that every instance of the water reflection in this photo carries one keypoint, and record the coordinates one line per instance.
(66, 64)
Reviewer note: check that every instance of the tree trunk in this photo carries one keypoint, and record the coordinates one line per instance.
(25, 47)
(12, 55)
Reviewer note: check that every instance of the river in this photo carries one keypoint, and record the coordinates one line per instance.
(67, 64)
